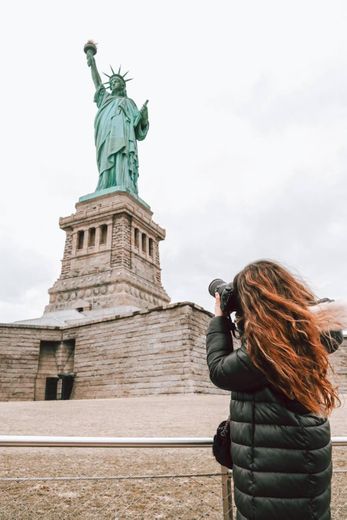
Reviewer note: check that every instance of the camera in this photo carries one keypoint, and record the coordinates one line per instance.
(228, 298)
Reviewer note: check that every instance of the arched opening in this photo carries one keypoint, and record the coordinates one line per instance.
(103, 234)
(144, 243)
(91, 237)
(80, 239)
(136, 237)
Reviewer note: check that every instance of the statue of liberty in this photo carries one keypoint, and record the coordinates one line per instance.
(118, 125)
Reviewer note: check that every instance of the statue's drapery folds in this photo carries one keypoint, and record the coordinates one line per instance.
(118, 125)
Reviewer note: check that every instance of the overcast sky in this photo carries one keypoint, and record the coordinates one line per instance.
(246, 155)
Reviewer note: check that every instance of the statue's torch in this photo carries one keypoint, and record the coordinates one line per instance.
(90, 48)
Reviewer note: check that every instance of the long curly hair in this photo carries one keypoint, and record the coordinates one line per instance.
(282, 335)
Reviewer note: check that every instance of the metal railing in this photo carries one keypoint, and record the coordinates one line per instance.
(43, 441)
(28, 441)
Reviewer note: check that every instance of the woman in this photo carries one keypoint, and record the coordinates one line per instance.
(281, 395)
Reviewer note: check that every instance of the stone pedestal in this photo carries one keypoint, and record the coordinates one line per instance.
(111, 256)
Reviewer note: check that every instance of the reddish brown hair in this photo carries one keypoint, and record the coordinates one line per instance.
(282, 336)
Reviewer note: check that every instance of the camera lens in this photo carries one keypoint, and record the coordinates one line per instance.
(214, 285)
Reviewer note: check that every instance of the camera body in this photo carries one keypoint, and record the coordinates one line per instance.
(228, 299)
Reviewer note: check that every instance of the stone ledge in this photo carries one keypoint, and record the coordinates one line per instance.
(95, 196)
(139, 312)
(28, 326)
(74, 324)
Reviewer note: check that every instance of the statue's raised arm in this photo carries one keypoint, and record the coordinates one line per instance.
(119, 124)
(90, 50)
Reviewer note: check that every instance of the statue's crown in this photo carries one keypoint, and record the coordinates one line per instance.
(116, 74)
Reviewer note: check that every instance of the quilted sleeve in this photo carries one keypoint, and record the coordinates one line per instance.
(229, 369)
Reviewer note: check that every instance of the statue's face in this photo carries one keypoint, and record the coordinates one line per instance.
(116, 85)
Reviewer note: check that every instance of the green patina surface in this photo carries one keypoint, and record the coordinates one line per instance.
(112, 189)
(119, 124)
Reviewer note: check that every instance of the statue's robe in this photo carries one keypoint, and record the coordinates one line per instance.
(117, 128)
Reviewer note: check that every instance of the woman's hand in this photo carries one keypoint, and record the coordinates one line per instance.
(217, 310)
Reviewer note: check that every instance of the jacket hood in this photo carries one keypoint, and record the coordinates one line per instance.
(330, 315)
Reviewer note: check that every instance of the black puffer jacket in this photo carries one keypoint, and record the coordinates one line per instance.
(281, 453)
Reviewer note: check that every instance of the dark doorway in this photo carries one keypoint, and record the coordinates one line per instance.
(51, 388)
(66, 388)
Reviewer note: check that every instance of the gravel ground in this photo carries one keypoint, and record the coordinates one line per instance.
(136, 498)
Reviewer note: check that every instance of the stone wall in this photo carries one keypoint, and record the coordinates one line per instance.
(156, 351)
(19, 359)
(55, 357)
(153, 352)
(150, 352)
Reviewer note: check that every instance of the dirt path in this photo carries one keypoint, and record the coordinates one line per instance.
(160, 416)
(110, 496)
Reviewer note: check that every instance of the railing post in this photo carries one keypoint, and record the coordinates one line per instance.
(227, 496)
